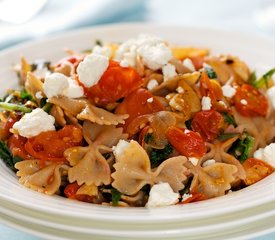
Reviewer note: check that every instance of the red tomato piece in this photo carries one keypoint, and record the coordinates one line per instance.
(71, 189)
(117, 82)
(16, 144)
(75, 60)
(208, 124)
(250, 102)
(51, 145)
(136, 105)
(195, 197)
(186, 142)
(256, 170)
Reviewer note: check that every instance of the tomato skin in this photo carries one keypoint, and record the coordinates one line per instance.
(256, 170)
(136, 105)
(186, 142)
(208, 124)
(16, 144)
(51, 145)
(257, 104)
(75, 60)
(196, 197)
(116, 82)
(70, 190)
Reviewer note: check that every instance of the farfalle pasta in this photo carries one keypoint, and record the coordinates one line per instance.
(142, 123)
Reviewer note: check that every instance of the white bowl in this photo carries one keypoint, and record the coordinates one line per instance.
(31, 207)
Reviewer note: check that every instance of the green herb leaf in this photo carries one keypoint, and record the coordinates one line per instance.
(225, 136)
(24, 95)
(228, 118)
(148, 137)
(14, 107)
(242, 148)
(157, 156)
(47, 107)
(116, 195)
(98, 42)
(210, 72)
(7, 157)
(263, 81)
(252, 78)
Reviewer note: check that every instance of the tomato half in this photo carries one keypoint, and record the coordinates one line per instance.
(208, 124)
(136, 105)
(256, 170)
(116, 82)
(51, 145)
(250, 102)
(16, 144)
(186, 142)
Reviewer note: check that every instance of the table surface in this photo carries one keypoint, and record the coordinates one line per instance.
(212, 13)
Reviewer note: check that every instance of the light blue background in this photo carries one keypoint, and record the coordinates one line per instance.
(242, 15)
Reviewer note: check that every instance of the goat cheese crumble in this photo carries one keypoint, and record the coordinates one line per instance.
(91, 69)
(58, 84)
(153, 51)
(266, 154)
(162, 194)
(206, 103)
(34, 123)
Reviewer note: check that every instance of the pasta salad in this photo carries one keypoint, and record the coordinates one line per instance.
(139, 123)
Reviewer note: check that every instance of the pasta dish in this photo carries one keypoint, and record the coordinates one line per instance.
(142, 123)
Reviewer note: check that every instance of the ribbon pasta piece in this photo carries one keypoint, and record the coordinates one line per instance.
(42, 179)
(133, 169)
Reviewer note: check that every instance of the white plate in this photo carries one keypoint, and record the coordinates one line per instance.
(261, 58)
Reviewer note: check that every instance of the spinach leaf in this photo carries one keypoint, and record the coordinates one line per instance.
(225, 136)
(263, 81)
(148, 137)
(116, 195)
(211, 73)
(228, 118)
(7, 157)
(157, 156)
(242, 148)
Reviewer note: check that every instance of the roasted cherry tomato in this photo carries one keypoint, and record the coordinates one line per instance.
(195, 197)
(70, 190)
(75, 60)
(117, 82)
(16, 144)
(250, 102)
(137, 104)
(256, 170)
(208, 124)
(186, 142)
(51, 145)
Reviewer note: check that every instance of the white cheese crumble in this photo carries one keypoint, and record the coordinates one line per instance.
(266, 154)
(187, 62)
(33, 123)
(180, 89)
(150, 100)
(124, 63)
(243, 102)
(58, 84)
(169, 71)
(185, 196)
(271, 95)
(104, 51)
(91, 69)
(120, 147)
(39, 95)
(162, 194)
(209, 162)
(228, 91)
(152, 51)
(206, 103)
(152, 84)
(193, 160)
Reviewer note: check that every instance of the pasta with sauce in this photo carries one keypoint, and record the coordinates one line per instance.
(141, 123)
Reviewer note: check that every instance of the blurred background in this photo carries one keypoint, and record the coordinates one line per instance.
(22, 20)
